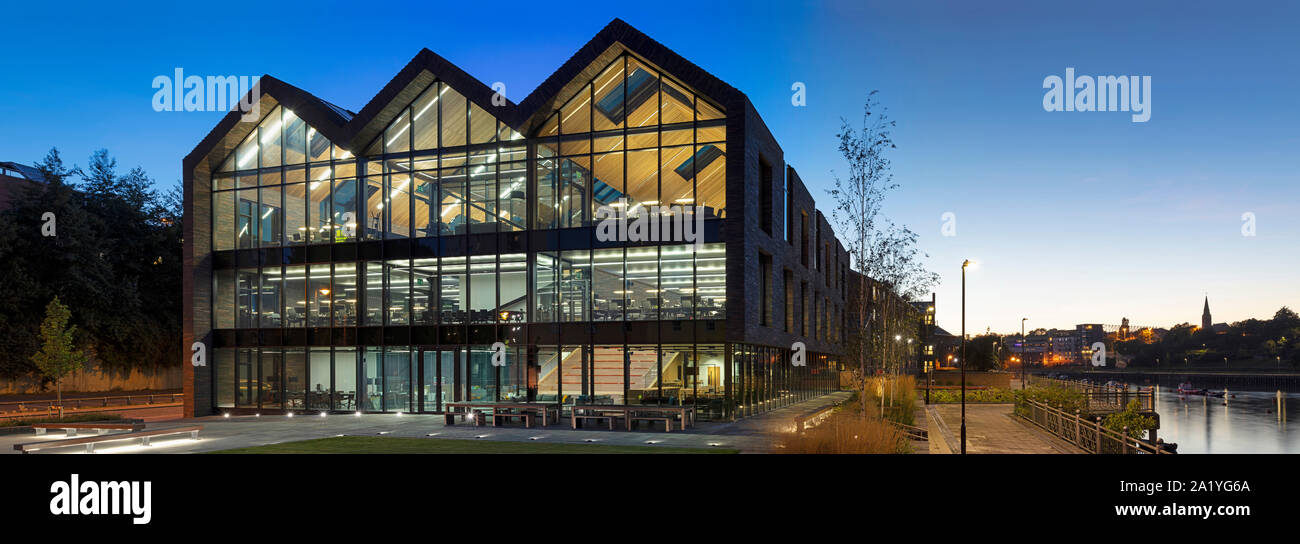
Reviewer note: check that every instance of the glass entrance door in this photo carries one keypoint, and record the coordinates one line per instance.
(441, 376)
(428, 397)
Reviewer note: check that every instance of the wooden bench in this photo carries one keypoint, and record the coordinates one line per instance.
(526, 416)
(668, 421)
(611, 419)
(90, 441)
(102, 428)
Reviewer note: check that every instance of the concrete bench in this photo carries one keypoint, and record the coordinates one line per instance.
(101, 428)
(577, 417)
(90, 441)
(668, 421)
(526, 416)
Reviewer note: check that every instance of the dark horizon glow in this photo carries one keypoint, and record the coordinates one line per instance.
(1074, 217)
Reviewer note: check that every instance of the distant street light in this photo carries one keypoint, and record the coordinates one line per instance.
(1022, 352)
(964, 264)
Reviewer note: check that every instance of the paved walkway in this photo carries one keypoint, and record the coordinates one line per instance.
(990, 428)
(750, 435)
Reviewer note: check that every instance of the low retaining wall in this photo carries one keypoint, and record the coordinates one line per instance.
(987, 379)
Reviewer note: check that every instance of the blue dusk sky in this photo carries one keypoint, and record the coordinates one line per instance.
(1074, 217)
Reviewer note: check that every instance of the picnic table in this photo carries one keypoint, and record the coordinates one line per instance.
(506, 410)
(633, 412)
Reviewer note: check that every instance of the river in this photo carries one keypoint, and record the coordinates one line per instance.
(1247, 423)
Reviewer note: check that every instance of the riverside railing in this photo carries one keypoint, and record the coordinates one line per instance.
(1085, 432)
(1104, 398)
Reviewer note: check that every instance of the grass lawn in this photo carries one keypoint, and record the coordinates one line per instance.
(380, 444)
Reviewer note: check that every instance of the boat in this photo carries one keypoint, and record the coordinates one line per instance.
(1186, 388)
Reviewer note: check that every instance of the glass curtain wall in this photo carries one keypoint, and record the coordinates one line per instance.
(275, 188)
(631, 138)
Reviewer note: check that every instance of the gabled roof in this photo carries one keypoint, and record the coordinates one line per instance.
(354, 130)
(616, 38)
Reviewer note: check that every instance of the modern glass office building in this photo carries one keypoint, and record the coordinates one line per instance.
(369, 261)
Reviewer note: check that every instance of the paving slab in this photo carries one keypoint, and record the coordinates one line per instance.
(990, 428)
(750, 435)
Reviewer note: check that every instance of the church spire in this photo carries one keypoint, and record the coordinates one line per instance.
(1206, 322)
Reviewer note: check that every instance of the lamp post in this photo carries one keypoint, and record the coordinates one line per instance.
(964, 264)
(1023, 376)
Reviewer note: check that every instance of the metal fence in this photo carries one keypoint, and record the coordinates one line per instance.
(1103, 398)
(45, 405)
(1085, 432)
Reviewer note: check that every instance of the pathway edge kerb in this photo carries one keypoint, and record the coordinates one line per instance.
(946, 445)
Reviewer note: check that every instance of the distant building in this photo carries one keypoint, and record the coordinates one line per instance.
(15, 177)
(926, 331)
(1206, 322)
(947, 349)
(1032, 348)
(1063, 347)
(1089, 334)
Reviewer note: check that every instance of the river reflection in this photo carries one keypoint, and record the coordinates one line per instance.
(1248, 423)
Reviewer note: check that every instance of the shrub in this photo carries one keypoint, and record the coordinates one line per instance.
(1062, 398)
(1132, 418)
(900, 407)
(848, 430)
(993, 395)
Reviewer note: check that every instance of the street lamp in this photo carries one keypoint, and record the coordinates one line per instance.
(964, 264)
(1022, 352)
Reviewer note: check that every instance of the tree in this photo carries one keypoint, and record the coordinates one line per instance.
(59, 355)
(982, 352)
(885, 256)
(857, 204)
(116, 258)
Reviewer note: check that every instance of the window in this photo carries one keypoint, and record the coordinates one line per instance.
(345, 294)
(600, 147)
(295, 305)
(424, 291)
(765, 189)
(452, 290)
(609, 292)
(482, 288)
(374, 299)
(803, 238)
(765, 289)
(513, 279)
(398, 293)
(319, 288)
(788, 202)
